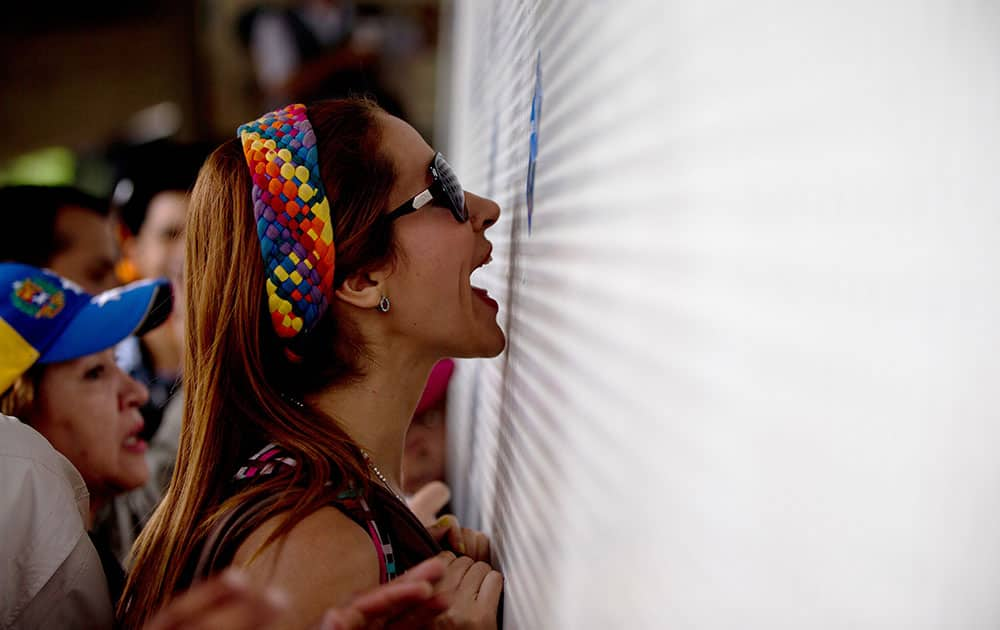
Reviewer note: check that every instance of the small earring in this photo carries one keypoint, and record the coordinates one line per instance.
(383, 304)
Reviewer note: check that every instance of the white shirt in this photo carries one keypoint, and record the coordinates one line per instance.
(50, 573)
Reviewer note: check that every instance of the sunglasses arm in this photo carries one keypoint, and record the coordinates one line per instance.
(412, 205)
(422, 199)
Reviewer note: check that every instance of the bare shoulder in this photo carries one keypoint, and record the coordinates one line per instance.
(324, 560)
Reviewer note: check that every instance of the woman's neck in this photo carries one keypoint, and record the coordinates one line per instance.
(376, 409)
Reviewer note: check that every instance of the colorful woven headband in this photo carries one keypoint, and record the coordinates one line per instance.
(293, 218)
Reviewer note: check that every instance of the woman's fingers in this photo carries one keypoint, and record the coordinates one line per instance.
(490, 590)
(378, 607)
(476, 597)
(421, 617)
(242, 614)
(473, 578)
(431, 570)
(461, 540)
(473, 543)
(480, 548)
(341, 619)
(449, 533)
(224, 601)
(197, 599)
(453, 575)
(456, 538)
(445, 530)
(428, 501)
(390, 600)
(408, 602)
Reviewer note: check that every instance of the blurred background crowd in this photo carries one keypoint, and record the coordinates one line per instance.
(91, 89)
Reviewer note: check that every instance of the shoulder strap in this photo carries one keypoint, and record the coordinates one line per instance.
(229, 531)
(356, 507)
(415, 543)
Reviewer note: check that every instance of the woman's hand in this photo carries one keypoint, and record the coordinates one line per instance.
(475, 590)
(226, 601)
(410, 601)
(428, 501)
(230, 602)
(462, 540)
(446, 530)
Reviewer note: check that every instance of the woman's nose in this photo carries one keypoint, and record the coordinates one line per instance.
(482, 212)
(134, 394)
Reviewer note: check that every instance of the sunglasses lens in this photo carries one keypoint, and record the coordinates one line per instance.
(452, 188)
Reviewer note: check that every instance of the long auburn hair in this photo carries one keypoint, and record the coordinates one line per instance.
(236, 374)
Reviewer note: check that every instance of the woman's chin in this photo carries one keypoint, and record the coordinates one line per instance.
(134, 477)
(486, 342)
(495, 345)
(501, 344)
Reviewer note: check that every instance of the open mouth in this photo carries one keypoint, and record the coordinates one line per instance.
(480, 292)
(133, 443)
(487, 259)
(485, 297)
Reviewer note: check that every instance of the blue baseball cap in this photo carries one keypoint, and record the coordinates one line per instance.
(45, 318)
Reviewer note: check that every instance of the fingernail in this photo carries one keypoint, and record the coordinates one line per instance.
(443, 521)
(461, 547)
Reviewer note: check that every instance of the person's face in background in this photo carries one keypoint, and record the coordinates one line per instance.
(88, 409)
(425, 450)
(88, 251)
(158, 249)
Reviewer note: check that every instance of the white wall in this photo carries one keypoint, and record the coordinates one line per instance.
(753, 368)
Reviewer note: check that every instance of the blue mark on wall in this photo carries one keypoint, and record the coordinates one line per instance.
(536, 121)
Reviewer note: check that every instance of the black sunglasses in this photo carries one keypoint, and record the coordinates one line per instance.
(445, 190)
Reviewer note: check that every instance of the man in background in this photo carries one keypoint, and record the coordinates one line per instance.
(62, 229)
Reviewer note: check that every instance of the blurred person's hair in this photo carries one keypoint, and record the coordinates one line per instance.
(29, 234)
(147, 170)
(238, 367)
(19, 399)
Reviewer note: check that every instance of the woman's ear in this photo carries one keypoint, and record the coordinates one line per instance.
(364, 289)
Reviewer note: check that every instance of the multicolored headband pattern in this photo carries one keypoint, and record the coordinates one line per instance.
(293, 218)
